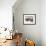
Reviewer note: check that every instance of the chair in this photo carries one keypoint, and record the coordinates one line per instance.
(29, 43)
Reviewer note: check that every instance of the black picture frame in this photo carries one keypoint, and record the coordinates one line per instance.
(29, 19)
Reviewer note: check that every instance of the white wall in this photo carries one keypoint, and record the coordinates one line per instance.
(43, 22)
(30, 31)
(6, 13)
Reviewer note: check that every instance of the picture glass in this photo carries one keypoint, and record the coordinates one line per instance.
(30, 19)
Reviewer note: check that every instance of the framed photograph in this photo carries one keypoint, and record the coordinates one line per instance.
(29, 19)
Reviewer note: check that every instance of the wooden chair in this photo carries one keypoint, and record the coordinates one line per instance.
(29, 43)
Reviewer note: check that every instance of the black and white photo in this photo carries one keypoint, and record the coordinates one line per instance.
(29, 19)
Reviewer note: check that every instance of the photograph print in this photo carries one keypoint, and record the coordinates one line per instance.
(29, 19)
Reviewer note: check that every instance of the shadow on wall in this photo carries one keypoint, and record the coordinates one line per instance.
(28, 7)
